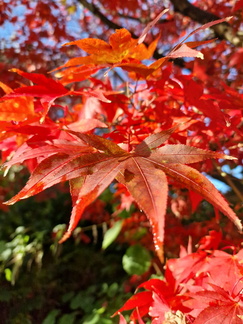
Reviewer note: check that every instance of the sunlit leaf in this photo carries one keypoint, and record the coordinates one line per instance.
(90, 188)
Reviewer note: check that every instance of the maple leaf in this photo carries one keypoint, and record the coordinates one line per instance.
(160, 298)
(142, 171)
(48, 90)
(15, 109)
(121, 46)
(142, 301)
(176, 294)
(76, 74)
(125, 52)
(200, 273)
(218, 306)
(127, 56)
(233, 270)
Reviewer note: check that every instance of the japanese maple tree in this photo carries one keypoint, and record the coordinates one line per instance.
(122, 113)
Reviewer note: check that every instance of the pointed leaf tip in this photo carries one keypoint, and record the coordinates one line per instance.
(65, 237)
(150, 25)
(228, 18)
(160, 253)
(197, 182)
(238, 224)
(146, 183)
(229, 157)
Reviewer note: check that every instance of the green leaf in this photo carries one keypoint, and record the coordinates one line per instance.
(77, 301)
(92, 319)
(68, 296)
(82, 301)
(137, 260)
(51, 317)
(2, 246)
(68, 318)
(112, 234)
(8, 274)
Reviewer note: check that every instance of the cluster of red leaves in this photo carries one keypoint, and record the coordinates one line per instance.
(91, 133)
(201, 287)
(68, 150)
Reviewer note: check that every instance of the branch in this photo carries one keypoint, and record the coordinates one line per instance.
(233, 182)
(95, 10)
(222, 31)
(143, 20)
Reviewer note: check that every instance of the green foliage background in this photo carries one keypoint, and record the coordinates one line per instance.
(44, 282)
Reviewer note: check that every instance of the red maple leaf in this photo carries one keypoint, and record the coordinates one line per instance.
(160, 297)
(94, 166)
(203, 268)
(48, 90)
(219, 306)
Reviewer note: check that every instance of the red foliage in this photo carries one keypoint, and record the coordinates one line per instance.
(140, 129)
(200, 287)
